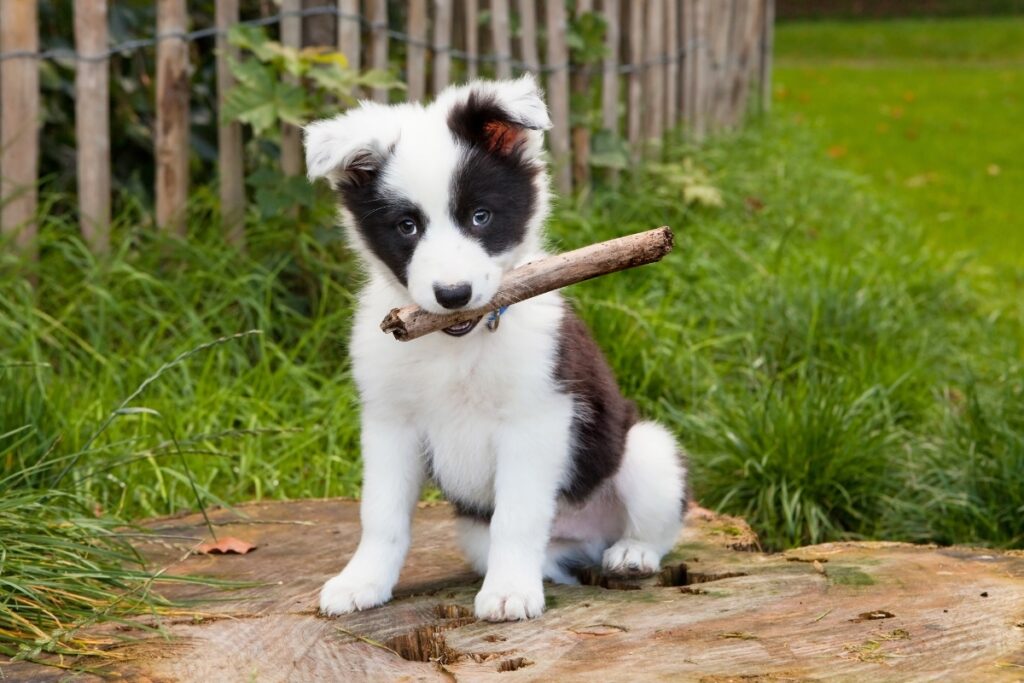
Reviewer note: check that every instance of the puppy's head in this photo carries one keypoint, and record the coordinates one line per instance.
(444, 198)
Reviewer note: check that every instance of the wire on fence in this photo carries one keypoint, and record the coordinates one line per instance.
(129, 46)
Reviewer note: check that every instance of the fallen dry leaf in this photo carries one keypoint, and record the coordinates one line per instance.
(226, 545)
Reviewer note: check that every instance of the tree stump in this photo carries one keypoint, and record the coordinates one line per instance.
(720, 610)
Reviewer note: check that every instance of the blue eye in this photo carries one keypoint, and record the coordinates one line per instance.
(481, 217)
(407, 227)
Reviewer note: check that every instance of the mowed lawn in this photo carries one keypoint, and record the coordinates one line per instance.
(932, 110)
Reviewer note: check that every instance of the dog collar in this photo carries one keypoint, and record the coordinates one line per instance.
(494, 318)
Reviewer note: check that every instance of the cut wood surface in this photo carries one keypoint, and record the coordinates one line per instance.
(719, 611)
(539, 277)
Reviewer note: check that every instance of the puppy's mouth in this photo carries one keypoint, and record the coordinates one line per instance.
(463, 328)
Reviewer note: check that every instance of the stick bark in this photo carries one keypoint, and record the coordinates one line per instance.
(539, 277)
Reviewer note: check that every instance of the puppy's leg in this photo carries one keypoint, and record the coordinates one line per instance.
(532, 457)
(393, 473)
(651, 483)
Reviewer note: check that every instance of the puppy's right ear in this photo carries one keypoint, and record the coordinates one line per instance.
(351, 148)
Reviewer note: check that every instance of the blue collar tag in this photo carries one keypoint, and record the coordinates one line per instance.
(494, 319)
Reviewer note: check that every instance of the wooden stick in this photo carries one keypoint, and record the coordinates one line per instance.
(539, 277)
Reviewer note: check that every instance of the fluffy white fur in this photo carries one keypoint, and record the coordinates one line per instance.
(484, 406)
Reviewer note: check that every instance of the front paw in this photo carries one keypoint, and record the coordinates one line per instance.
(341, 595)
(509, 604)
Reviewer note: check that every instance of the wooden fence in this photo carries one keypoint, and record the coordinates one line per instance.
(667, 63)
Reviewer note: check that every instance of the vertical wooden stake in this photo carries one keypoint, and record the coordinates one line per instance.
(92, 123)
(19, 124)
(701, 68)
(379, 42)
(416, 53)
(528, 35)
(442, 44)
(472, 12)
(672, 68)
(654, 81)
(580, 130)
(172, 124)
(558, 93)
(610, 77)
(350, 33)
(502, 37)
(291, 136)
(230, 167)
(767, 49)
(634, 108)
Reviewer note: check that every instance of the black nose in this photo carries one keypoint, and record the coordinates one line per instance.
(453, 296)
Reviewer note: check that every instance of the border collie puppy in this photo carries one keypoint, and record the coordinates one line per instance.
(523, 427)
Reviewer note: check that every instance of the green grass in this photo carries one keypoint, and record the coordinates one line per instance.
(832, 376)
(930, 110)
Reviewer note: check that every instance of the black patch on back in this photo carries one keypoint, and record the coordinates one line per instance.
(599, 431)
(494, 175)
(376, 213)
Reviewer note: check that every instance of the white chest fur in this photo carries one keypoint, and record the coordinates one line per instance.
(460, 392)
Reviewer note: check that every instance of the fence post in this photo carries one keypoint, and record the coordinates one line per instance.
(581, 130)
(634, 109)
(442, 44)
(92, 123)
(350, 33)
(19, 123)
(291, 136)
(528, 35)
(701, 73)
(172, 125)
(558, 93)
(610, 77)
(767, 49)
(672, 68)
(230, 167)
(378, 16)
(471, 14)
(502, 38)
(415, 51)
(654, 81)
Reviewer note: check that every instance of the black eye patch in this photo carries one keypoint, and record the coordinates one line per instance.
(503, 185)
(377, 213)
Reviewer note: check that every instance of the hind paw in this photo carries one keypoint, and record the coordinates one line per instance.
(631, 558)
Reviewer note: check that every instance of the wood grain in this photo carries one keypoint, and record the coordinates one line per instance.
(558, 95)
(92, 123)
(291, 136)
(172, 117)
(350, 33)
(580, 83)
(378, 16)
(471, 14)
(539, 277)
(416, 52)
(634, 93)
(230, 162)
(528, 35)
(739, 615)
(442, 42)
(501, 38)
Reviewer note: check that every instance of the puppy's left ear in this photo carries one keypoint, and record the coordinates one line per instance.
(501, 117)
